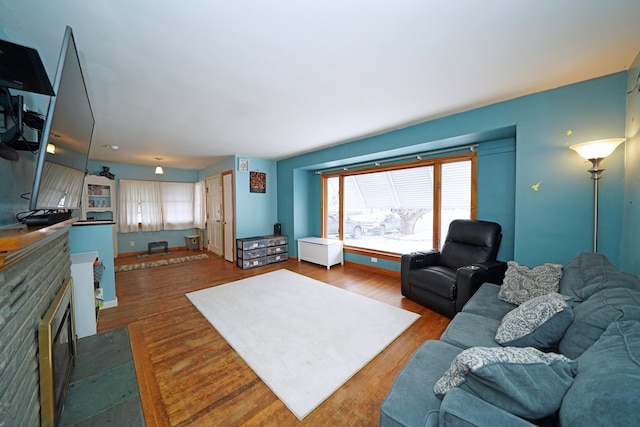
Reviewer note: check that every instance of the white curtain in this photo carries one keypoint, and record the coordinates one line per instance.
(177, 205)
(139, 202)
(151, 206)
(60, 187)
(161, 205)
(128, 203)
(200, 205)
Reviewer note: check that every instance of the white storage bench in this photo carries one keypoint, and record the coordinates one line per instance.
(321, 251)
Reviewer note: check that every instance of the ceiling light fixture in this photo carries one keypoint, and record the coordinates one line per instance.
(595, 152)
(51, 148)
(159, 170)
(112, 147)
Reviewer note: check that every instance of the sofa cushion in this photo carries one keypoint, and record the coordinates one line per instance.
(471, 330)
(593, 316)
(523, 381)
(462, 409)
(411, 401)
(539, 322)
(605, 390)
(485, 302)
(589, 273)
(522, 283)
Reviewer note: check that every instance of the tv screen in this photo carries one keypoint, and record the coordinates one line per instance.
(65, 138)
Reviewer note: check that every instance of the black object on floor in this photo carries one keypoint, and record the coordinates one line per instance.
(162, 244)
(103, 390)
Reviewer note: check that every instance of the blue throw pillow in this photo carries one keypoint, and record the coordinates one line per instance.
(522, 283)
(524, 381)
(539, 322)
(606, 390)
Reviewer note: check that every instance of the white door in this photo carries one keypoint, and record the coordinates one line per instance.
(214, 214)
(227, 215)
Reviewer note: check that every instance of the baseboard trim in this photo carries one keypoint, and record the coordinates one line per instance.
(133, 254)
(391, 273)
(110, 304)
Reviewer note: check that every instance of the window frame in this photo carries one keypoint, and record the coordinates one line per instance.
(435, 162)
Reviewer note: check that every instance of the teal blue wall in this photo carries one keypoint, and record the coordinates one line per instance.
(141, 239)
(629, 247)
(255, 213)
(552, 224)
(99, 238)
(306, 208)
(496, 190)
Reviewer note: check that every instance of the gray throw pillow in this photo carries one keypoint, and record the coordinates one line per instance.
(539, 322)
(523, 381)
(522, 283)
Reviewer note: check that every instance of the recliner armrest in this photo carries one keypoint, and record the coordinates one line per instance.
(471, 277)
(413, 261)
(420, 259)
(497, 266)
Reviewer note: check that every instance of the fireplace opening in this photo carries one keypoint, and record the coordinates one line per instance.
(57, 353)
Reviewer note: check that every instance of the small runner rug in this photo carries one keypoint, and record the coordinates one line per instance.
(148, 264)
(302, 337)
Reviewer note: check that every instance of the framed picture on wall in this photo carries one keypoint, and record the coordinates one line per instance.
(257, 182)
(243, 165)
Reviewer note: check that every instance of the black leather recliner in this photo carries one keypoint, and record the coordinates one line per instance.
(443, 281)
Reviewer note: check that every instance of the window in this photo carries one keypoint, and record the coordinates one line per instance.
(401, 208)
(155, 206)
(177, 205)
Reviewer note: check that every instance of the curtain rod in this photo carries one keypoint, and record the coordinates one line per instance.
(417, 156)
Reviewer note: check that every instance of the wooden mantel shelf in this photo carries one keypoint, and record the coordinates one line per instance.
(19, 239)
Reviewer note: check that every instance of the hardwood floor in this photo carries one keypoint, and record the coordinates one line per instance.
(189, 376)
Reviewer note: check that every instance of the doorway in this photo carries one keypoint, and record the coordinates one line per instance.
(214, 214)
(228, 215)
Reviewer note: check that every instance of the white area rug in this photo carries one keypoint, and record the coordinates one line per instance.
(302, 337)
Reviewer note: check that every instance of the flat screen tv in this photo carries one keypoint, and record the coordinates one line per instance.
(67, 131)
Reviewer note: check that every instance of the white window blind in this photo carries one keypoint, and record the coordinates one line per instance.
(392, 210)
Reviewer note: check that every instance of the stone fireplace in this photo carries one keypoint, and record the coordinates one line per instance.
(32, 273)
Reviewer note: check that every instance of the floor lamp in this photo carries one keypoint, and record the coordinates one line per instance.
(595, 152)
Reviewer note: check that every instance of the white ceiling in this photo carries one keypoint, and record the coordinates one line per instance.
(191, 81)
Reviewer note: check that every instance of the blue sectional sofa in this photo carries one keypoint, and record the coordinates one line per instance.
(595, 380)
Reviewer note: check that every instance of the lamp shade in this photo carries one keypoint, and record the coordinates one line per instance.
(597, 149)
(159, 170)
